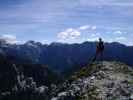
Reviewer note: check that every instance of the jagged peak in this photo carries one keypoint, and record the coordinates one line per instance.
(33, 43)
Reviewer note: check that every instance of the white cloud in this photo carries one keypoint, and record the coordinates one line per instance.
(120, 38)
(95, 35)
(92, 39)
(106, 2)
(118, 32)
(88, 27)
(84, 27)
(93, 27)
(45, 41)
(8, 38)
(69, 34)
(74, 33)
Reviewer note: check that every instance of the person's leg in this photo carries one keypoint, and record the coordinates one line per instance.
(96, 55)
(101, 57)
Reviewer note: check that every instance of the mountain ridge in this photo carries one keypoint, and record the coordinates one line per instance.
(69, 55)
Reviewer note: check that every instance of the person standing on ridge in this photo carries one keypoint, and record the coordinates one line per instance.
(99, 49)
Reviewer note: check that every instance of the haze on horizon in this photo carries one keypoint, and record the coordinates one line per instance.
(70, 21)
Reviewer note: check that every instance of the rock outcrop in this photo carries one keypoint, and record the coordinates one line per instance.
(99, 81)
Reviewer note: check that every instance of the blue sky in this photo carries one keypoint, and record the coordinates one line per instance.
(66, 20)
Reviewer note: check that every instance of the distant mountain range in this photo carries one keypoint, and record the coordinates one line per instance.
(63, 57)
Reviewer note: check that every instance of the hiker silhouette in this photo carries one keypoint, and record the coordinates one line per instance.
(99, 49)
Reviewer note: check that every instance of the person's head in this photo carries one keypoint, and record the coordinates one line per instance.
(100, 39)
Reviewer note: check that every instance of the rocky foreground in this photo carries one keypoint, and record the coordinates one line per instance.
(99, 81)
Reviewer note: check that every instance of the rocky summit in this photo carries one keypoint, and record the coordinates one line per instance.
(98, 81)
